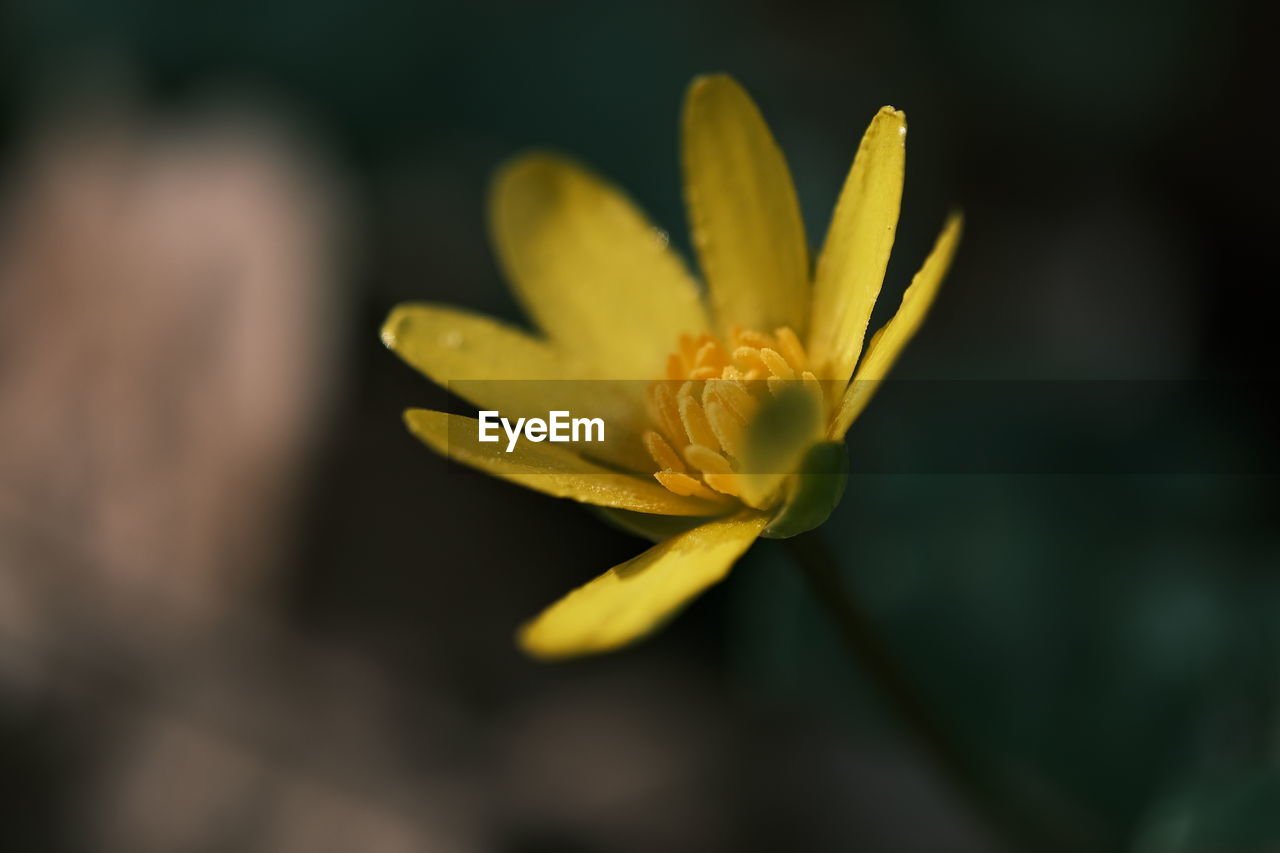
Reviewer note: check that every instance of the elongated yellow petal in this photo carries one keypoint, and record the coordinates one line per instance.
(743, 210)
(450, 345)
(595, 275)
(632, 599)
(888, 343)
(655, 528)
(852, 263)
(496, 366)
(549, 468)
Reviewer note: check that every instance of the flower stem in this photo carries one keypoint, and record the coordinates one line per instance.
(1013, 825)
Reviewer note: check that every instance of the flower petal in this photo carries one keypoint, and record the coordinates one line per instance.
(452, 345)
(549, 468)
(851, 267)
(595, 275)
(632, 599)
(888, 343)
(496, 366)
(743, 211)
(646, 525)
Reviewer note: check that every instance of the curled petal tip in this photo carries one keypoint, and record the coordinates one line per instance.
(524, 644)
(894, 116)
(711, 78)
(390, 329)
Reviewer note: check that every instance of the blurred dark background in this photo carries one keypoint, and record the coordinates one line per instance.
(241, 609)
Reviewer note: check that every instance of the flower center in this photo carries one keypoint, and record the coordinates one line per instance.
(702, 411)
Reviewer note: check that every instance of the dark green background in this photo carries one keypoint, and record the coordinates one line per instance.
(1107, 640)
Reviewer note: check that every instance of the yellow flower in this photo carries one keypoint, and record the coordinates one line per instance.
(714, 462)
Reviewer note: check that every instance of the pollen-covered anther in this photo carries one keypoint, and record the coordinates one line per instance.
(682, 484)
(734, 396)
(662, 452)
(751, 338)
(777, 364)
(675, 367)
(749, 359)
(728, 428)
(725, 484)
(716, 470)
(711, 354)
(791, 348)
(664, 412)
(707, 460)
(694, 418)
(702, 410)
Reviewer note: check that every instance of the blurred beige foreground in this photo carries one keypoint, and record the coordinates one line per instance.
(165, 316)
(167, 328)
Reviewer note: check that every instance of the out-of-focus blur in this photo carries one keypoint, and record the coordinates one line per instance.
(241, 609)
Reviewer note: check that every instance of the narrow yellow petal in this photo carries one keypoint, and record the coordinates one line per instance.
(451, 345)
(890, 340)
(655, 528)
(743, 210)
(548, 468)
(595, 275)
(630, 600)
(496, 366)
(852, 263)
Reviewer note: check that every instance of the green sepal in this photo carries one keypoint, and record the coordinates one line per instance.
(815, 490)
(779, 435)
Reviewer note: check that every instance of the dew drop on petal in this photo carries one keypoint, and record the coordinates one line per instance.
(451, 339)
(660, 238)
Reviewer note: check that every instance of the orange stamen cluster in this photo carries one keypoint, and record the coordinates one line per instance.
(702, 409)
